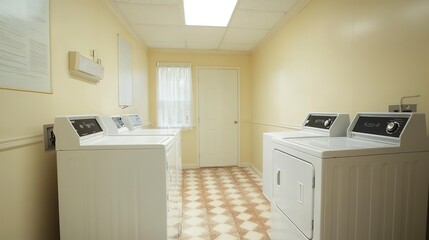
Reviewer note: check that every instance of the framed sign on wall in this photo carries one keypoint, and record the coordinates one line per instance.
(24, 45)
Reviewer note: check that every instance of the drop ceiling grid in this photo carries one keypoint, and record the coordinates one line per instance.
(160, 24)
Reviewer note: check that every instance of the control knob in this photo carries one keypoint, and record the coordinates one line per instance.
(327, 122)
(392, 127)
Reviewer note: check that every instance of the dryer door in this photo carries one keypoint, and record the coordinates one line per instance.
(293, 191)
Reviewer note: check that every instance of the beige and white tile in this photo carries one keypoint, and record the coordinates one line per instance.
(224, 204)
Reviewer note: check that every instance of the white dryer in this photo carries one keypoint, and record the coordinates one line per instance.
(372, 184)
(111, 187)
(316, 124)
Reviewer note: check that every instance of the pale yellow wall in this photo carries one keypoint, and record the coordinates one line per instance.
(341, 56)
(28, 202)
(347, 56)
(205, 59)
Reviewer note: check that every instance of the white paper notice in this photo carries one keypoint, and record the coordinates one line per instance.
(24, 45)
(125, 73)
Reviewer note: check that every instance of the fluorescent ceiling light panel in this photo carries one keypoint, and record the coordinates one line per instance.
(216, 13)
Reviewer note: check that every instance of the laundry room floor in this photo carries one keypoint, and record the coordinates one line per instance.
(224, 203)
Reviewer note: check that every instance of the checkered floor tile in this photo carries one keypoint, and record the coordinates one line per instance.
(224, 203)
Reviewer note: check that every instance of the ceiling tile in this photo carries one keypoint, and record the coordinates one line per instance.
(152, 14)
(204, 34)
(153, 33)
(202, 45)
(267, 5)
(161, 24)
(246, 36)
(159, 44)
(236, 46)
(255, 19)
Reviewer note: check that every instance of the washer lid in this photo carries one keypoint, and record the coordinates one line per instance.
(330, 147)
(296, 134)
(153, 131)
(128, 142)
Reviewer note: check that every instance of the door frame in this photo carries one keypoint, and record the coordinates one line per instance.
(198, 110)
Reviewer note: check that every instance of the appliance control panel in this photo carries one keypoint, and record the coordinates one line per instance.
(118, 122)
(381, 125)
(85, 127)
(135, 119)
(320, 121)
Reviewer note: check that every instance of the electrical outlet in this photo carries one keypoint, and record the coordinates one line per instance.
(49, 137)
(405, 108)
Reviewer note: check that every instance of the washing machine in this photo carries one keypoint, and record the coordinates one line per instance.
(316, 124)
(111, 187)
(372, 184)
(116, 126)
(132, 124)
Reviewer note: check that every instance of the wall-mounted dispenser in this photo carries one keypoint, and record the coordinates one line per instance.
(84, 67)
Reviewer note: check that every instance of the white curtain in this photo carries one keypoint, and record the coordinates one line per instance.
(174, 97)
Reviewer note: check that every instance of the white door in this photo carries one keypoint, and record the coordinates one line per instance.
(218, 116)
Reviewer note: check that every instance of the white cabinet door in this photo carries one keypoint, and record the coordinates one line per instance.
(218, 116)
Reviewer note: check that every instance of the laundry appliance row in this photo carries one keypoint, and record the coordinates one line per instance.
(370, 184)
(116, 183)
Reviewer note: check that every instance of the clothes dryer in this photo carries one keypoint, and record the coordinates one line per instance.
(372, 184)
(316, 124)
(111, 187)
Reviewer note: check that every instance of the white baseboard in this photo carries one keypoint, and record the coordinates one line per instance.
(246, 164)
(252, 167)
(189, 166)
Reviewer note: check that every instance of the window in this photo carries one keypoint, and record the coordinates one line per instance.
(174, 96)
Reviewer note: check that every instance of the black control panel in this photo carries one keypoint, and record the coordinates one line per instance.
(317, 121)
(86, 127)
(118, 122)
(383, 126)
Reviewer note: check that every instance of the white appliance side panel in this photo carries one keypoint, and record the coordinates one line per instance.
(173, 207)
(267, 166)
(112, 194)
(377, 197)
(293, 191)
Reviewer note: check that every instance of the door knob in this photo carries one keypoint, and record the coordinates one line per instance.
(235, 122)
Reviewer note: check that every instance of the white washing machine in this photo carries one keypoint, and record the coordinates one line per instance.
(116, 127)
(132, 124)
(316, 124)
(111, 187)
(372, 184)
